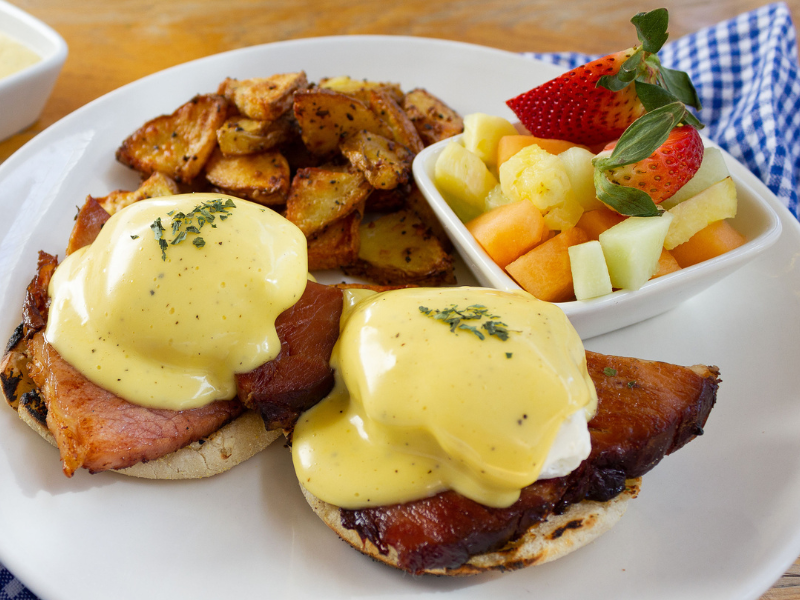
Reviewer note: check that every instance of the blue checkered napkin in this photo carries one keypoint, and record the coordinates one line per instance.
(747, 75)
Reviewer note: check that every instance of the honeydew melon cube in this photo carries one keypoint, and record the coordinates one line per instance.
(577, 162)
(482, 133)
(565, 216)
(713, 204)
(712, 170)
(632, 249)
(463, 180)
(536, 175)
(589, 270)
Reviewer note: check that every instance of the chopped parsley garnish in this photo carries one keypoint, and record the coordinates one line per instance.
(610, 372)
(192, 223)
(454, 317)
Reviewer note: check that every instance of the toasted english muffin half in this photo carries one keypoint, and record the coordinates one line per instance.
(553, 538)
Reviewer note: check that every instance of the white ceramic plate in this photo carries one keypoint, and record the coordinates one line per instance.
(718, 520)
(754, 219)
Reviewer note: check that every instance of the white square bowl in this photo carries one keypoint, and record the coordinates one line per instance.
(756, 220)
(24, 94)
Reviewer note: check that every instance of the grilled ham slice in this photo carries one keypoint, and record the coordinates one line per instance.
(646, 410)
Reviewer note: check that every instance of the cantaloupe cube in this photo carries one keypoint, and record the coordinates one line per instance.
(509, 145)
(463, 180)
(508, 231)
(595, 222)
(589, 271)
(666, 264)
(715, 239)
(632, 249)
(545, 271)
(713, 204)
(483, 132)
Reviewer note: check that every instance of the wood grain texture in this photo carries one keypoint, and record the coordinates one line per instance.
(114, 43)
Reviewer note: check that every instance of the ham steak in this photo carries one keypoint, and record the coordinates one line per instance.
(646, 410)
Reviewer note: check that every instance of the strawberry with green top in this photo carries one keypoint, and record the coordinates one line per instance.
(632, 94)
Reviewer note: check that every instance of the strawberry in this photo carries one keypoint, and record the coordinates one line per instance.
(596, 102)
(666, 170)
(572, 107)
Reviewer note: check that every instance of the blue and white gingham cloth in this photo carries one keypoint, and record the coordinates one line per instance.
(747, 76)
(746, 73)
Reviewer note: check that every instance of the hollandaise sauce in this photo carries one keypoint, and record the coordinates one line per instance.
(450, 388)
(14, 56)
(175, 296)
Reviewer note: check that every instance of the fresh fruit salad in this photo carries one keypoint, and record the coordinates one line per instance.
(603, 184)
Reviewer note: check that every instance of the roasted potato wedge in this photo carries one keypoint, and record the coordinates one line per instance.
(385, 201)
(361, 88)
(326, 118)
(385, 164)
(434, 120)
(155, 186)
(386, 107)
(398, 249)
(263, 178)
(416, 202)
(337, 244)
(321, 195)
(264, 98)
(179, 144)
(240, 135)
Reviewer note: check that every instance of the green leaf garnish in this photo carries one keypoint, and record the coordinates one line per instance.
(651, 28)
(608, 371)
(680, 84)
(455, 317)
(625, 200)
(182, 224)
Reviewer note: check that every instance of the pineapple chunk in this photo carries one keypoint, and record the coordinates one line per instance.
(564, 216)
(632, 249)
(589, 271)
(496, 198)
(577, 162)
(482, 133)
(712, 170)
(536, 175)
(463, 180)
(714, 204)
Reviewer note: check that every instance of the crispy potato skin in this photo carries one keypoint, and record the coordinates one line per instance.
(262, 178)
(156, 186)
(385, 163)
(264, 98)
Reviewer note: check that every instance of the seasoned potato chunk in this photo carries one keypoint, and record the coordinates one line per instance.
(433, 119)
(389, 111)
(179, 144)
(264, 98)
(326, 118)
(240, 135)
(361, 88)
(385, 164)
(321, 195)
(155, 186)
(416, 202)
(263, 178)
(337, 244)
(399, 249)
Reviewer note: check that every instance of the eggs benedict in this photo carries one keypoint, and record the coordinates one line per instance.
(143, 332)
(465, 421)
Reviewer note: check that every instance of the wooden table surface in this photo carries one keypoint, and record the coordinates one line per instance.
(114, 43)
